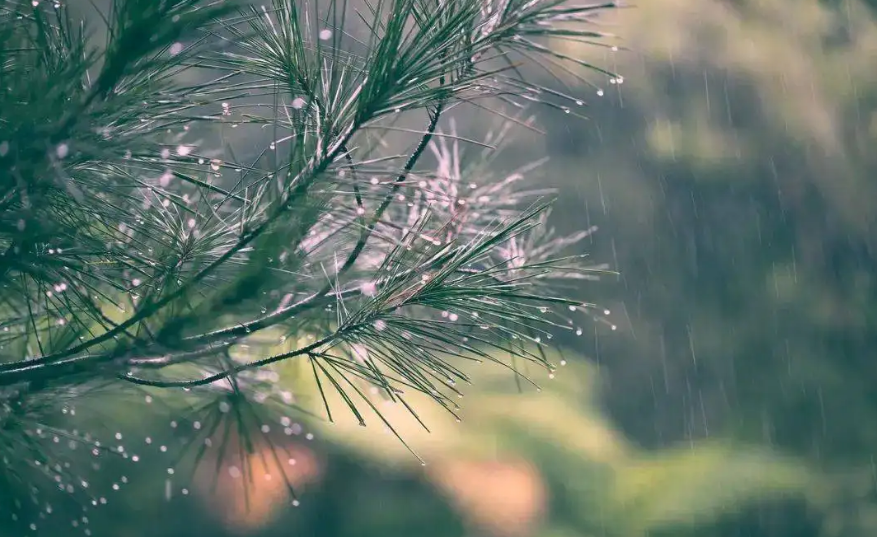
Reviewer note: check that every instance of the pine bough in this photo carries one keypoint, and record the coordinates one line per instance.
(147, 235)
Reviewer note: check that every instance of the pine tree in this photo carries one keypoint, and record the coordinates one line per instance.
(154, 247)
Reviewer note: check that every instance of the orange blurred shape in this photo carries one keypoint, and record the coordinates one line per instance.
(249, 491)
(503, 498)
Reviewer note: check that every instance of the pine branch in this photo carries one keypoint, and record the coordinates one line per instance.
(140, 252)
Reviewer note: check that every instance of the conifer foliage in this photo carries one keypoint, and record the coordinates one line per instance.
(150, 244)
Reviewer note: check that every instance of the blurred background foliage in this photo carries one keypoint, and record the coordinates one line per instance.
(732, 179)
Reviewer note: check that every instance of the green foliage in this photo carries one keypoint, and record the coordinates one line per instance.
(136, 256)
(734, 173)
(598, 482)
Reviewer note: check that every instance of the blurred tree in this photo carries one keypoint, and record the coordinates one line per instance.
(733, 181)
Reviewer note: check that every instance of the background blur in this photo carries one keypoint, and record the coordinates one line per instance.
(729, 178)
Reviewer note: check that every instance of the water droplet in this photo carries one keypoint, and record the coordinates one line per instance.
(325, 34)
(599, 93)
(62, 150)
(176, 48)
